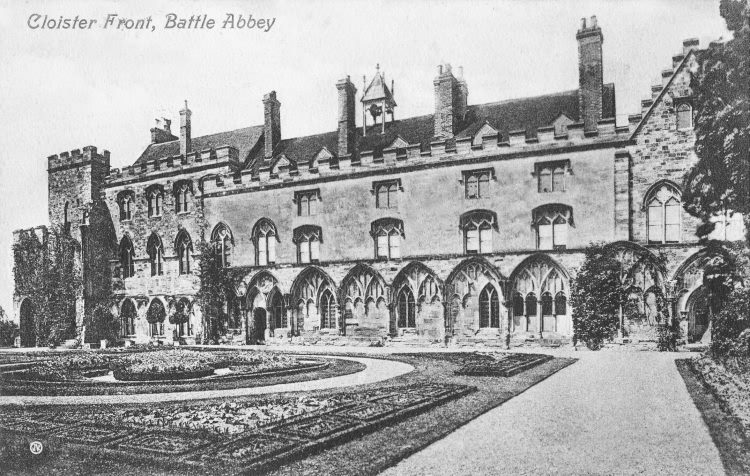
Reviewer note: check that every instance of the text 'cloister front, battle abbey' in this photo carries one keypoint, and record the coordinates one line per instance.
(460, 227)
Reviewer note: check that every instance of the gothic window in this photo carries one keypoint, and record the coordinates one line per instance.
(489, 307)
(128, 315)
(327, 310)
(155, 199)
(386, 193)
(387, 233)
(125, 202)
(308, 239)
(547, 308)
(155, 251)
(127, 254)
(182, 191)
(406, 308)
(531, 304)
(729, 226)
(265, 238)
(278, 312)
(664, 214)
(156, 316)
(561, 304)
(307, 202)
(477, 227)
(222, 241)
(552, 222)
(551, 176)
(477, 184)
(184, 248)
(183, 311)
(518, 305)
(684, 116)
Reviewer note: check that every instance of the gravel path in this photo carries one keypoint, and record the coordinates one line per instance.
(376, 371)
(611, 413)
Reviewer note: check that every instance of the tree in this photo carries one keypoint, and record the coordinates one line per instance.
(8, 330)
(214, 284)
(720, 181)
(596, 295)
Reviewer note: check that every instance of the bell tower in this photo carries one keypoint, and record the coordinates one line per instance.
(377, 100)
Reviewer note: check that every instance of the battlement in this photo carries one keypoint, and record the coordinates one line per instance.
(76, 158)
(222, 156)
(41, 233)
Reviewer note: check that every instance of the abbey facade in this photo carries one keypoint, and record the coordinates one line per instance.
(461, 227)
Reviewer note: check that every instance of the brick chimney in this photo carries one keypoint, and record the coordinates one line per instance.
(272, 124)
(186, 144)
(159, 135)
(590, 76)
(347, 91)
(451, 97)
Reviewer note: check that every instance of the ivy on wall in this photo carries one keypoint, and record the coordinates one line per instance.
(214, 285)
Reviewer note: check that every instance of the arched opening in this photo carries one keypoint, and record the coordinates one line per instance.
(182, 318)
(489, 308)
(155, 316)
(128, 315)
(699, 314)
(259, 326)
(28, 323)
(278, 312)
(406, 309)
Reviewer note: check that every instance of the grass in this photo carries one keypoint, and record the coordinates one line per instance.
(367, 453)
(726, 430)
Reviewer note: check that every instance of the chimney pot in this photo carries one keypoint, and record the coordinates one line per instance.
(460, 72)
(440, 69)
(593, 21)
(186, 144)
(590, 74)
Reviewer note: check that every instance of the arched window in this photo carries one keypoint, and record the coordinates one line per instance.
(155, 251)
(386, 194)
(125, 202)
(552, 222)
(128, 315)
(547, 304)
(406, 308)
(327, 310)
(530, 305)
(518, 305)
(183, 311)
(387, 233)
(561, 304)
(155, 317)
(684, 116)
(184, 246)
(307, 202)
(155, 199)
(265, 237)
(126, 257)
(308, 239)
(477, 229)
(489, 307)
(182, 190)
(222, 240)
(278, 312)
(664, 214)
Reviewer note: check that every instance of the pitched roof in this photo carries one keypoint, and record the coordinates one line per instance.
(244, 140)
(378, 90)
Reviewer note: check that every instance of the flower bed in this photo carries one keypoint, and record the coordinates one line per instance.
(729, 380)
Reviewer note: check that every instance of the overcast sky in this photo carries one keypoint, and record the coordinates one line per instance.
(65, 89)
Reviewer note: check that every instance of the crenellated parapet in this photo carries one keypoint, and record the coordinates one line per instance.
(77, 158)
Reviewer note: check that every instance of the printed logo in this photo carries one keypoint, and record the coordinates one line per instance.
(36, 447)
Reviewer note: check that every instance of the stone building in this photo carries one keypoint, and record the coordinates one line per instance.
(461, 227)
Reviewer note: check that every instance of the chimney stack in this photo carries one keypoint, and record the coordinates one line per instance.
(590, 75)
(451, 96)
(162, 135)
(186, 145)
(272, 127)
(347, 91)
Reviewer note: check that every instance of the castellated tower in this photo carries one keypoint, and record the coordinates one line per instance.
(76, 204)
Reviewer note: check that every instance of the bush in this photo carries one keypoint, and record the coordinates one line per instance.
(667, 336)
(8, 332)
(727, 336)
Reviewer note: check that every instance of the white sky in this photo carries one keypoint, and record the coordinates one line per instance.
(65, 89)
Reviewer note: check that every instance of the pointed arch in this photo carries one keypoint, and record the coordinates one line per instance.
(127, 257)
(413, 274)
(183, 246)
(128, 315)
(310, 283)
(262, 282)
(265, 236)
(223, 242)
(489, 307)
(362, 281)
(155, 250)
(689, 275)
(539, 283)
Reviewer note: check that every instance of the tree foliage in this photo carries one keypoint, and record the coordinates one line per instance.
(214, 285)
(596, 295)
(720, 180)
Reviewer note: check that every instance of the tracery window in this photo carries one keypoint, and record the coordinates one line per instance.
(477, 226)
(387, 234)
(128, 315)
(664, 214)
(184, 248)
(125, 202)
(406, 308)
(155, 199)
(222, 241)
(265, 238)
(155, 251)
(551, 176)
(182, 190)
(307, 202)
(185, 326)
(127, 254)
(552, 222)
(489, 307)
(308, 239)
(327, 310)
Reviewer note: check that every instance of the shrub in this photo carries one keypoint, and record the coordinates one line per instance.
(727, 337)
(667, 336)
(8, 332)
(596, 297)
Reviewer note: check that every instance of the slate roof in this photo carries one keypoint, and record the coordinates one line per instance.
(512, 115)
(244, 140)
(378, 90)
